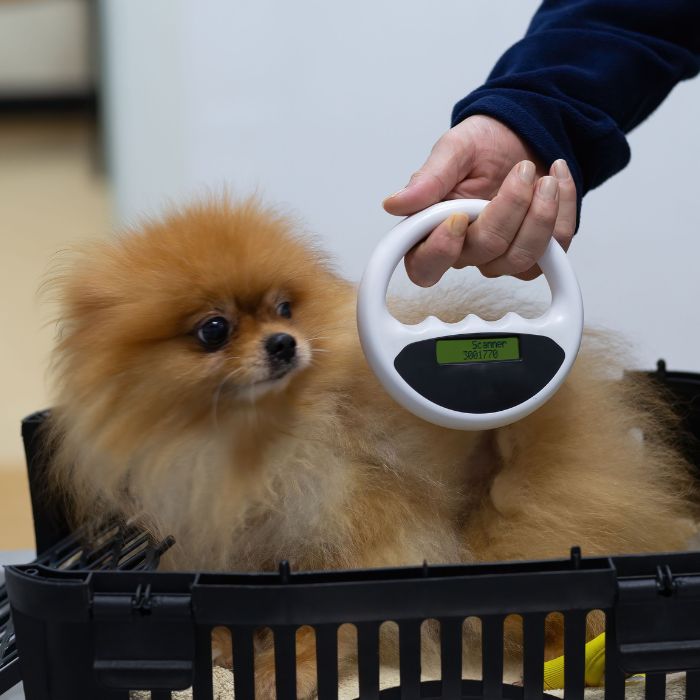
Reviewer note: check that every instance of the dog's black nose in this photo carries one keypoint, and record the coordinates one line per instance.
(280, 347)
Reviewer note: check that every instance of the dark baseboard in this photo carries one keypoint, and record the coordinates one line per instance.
(48, 105)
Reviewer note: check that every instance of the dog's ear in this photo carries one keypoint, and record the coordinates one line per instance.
(79, 284)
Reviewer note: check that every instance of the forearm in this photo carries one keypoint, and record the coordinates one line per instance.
(586, 73)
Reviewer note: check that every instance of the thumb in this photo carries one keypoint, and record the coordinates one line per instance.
(448, 164)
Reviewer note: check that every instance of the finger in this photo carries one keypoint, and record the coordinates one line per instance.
(533, 273)
(427, 262)
(566, 218)
(448, 163)
(492, 233)
(534, 234)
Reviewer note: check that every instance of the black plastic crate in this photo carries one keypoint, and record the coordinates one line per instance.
(114, 548)
(98, 634)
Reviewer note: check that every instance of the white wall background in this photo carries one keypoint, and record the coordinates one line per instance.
(328, 107)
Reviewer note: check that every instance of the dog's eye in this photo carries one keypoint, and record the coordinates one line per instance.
(284, 309)
(214, 333)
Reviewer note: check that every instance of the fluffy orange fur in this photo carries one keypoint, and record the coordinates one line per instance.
(320, 466)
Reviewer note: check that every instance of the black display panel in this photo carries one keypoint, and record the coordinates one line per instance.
(480, 387)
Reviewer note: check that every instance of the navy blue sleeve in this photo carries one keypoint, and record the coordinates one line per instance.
(585, 74)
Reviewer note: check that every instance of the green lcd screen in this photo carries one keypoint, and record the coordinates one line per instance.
(458, 351)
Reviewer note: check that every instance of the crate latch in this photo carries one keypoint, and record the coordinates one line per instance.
(657, 622)
(143, 640)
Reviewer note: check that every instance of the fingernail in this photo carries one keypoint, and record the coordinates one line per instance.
(403, 189)
(457, 225)
(561, 169)
(527, 171)
(548, 187)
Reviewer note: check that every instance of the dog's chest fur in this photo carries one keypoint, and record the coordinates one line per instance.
(310, 501)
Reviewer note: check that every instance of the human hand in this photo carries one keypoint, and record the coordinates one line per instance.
(482, 158)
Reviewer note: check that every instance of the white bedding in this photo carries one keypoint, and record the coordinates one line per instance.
(223, 687)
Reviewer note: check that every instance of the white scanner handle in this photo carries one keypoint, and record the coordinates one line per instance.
(383, 336)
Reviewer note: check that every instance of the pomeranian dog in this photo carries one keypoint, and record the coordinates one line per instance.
(210, 385)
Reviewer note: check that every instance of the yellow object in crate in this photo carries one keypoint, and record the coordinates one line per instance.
(594, 666)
